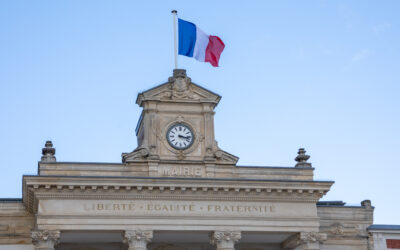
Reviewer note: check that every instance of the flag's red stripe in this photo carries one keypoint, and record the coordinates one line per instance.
(214, 49)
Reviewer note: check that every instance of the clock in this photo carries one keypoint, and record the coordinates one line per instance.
(180, 136)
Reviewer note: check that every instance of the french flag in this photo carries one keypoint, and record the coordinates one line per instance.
(193, 42)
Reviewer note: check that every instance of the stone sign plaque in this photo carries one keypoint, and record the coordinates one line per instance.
(175, 208)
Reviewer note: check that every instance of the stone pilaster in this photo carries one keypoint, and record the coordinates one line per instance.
(305, 241)
(138, 239)
(225, 240)
(45, 239)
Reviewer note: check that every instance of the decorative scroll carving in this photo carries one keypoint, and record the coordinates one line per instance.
(225, 240)
(138, 239)
(337, 229)
(214, 153)
(137, 154)
(307, 240)
(45, 240)
(180, 118)
(180, 85)
(225, 157)
(307, 237)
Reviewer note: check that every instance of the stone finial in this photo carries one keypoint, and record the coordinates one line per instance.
(302, 158)
(180, 85)
(48, 152)
(366, 204)
(179, 73)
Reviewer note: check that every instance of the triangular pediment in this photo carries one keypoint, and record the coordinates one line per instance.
(179, 88)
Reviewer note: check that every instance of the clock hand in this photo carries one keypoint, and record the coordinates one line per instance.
(185, 137)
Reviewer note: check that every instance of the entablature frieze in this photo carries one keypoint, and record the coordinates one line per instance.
(51, 187)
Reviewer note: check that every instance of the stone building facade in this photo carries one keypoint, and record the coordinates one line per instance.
(178, 190)
(385, 236)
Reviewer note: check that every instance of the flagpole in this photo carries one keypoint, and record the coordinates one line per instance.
(174, 16)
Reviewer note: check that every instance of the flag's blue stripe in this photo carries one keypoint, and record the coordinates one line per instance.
(187, 37)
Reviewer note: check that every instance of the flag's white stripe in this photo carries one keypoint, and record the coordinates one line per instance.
(200, 47)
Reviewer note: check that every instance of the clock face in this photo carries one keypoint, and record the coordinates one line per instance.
(180, 136)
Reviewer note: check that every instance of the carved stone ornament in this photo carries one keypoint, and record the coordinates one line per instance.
(137, 155)
(45, 239)
(311, 237)
(180, 88)
(337, 229)
(48, 152)
(367, 204)
(138, 239)
(225, 239)
(302, 159)
(225, 157)
(214, 153)
(305, 239)
(180, 118)
(181, 85)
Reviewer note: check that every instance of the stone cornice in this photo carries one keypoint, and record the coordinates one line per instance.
(51, 187)
(70, 179)
(183, 184)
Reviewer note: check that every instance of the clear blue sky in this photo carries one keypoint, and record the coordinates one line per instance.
(323, 75)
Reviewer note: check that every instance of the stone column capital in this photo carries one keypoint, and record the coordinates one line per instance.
(307, 237)
(138, 239)
(307, 240)
(45, 239)
(225, 240)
